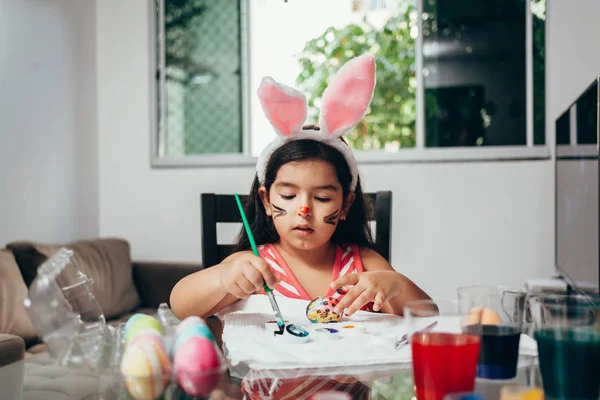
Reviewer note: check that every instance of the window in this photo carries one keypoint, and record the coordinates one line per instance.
(474, 73)
(451, 73)
(201, 83)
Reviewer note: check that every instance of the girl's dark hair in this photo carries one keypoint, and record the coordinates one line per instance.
(354, 230)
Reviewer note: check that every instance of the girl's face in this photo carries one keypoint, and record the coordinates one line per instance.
(306, 202)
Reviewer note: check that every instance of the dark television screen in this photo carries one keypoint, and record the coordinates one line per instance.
(587, 116)
(563, 128)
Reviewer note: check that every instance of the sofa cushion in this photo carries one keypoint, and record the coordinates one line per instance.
(12, 349)
(13, 317)
(106, 261)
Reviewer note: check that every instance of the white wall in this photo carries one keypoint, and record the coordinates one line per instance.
(572, 52)
(83, 23)
(47, 108)
(454, 223)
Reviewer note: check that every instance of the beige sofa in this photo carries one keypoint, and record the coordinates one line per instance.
(121, 286)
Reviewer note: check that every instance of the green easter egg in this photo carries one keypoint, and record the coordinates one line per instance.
(141, 324)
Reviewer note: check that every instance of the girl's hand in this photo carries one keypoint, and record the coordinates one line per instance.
(246, 275)
(376, 286)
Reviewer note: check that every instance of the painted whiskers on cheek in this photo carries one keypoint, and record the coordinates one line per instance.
(278, 211)
(331, 219)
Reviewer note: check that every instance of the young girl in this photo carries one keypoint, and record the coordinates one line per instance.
(307, 214)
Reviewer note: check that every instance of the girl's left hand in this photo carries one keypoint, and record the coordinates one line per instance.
(376, 286)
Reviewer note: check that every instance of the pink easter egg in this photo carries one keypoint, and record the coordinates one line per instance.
(197, 366)
(145, 369)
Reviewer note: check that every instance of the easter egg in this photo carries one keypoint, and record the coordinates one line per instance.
(189, 321)
(132, 319)
(148, 335)
(145, 369)
(193, 330)
(320, 310)
(197, 366)
(142, 323)
(483, 316)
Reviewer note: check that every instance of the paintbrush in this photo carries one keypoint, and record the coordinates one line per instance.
(268, 290)
(404, 339)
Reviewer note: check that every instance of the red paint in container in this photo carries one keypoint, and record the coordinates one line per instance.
(444, 363)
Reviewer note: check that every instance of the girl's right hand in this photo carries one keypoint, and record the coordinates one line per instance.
(246, 275)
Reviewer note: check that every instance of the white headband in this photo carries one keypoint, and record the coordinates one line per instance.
(345, 102)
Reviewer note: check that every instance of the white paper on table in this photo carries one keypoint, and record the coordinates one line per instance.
(247, 340)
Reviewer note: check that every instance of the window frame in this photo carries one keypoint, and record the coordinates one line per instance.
(417, 154)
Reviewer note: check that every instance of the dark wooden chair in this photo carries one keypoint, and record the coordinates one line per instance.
(222, 208)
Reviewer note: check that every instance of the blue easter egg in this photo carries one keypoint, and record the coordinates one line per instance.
(189, 321)
(191, 331)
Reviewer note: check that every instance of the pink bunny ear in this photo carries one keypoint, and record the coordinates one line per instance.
(284, 107)
(347, 98)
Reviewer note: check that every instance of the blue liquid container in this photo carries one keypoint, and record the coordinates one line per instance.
(463, 396)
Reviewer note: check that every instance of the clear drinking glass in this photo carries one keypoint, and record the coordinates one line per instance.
(567, 331)
(444, 357)
(496, 313)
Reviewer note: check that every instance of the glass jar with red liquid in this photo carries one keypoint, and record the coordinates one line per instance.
(444, 357)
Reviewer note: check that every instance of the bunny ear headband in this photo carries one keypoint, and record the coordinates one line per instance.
(345, 102)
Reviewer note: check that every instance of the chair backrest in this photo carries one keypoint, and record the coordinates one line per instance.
(222, 208)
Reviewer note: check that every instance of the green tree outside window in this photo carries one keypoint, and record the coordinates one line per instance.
(391, 120)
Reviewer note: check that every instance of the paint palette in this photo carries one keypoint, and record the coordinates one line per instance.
(298, 333)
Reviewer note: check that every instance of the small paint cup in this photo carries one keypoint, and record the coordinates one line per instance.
(463, 396)
(327, 333)
(295, 334)
(351, 329)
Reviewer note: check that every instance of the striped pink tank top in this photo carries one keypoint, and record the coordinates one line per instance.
(347, 261)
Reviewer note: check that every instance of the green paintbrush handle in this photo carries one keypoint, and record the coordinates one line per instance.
(249, 233)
